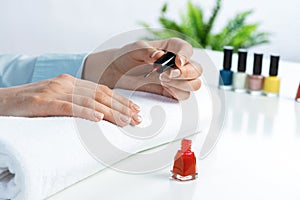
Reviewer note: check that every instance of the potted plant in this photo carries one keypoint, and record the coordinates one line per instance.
(197, 30)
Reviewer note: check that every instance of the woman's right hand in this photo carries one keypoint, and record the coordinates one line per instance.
(68, 96)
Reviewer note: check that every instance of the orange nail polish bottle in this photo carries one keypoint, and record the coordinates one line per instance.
(298, 94)
(184, 168)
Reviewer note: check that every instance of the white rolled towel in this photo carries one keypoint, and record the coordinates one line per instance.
(41, 156)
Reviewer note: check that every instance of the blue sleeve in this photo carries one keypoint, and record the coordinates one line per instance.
(20, 69)
(51, 65)
(16, 69)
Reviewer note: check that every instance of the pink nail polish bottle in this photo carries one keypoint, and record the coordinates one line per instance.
(255, 82)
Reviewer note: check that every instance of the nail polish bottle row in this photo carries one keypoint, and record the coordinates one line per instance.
(254, 84)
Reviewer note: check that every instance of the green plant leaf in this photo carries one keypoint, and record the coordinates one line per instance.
(195, 21)
(144, 24)
(169, 24)
(193, 28)
(164, 8)
(210, 23)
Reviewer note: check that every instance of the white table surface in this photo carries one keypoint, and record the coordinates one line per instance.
(257, 157)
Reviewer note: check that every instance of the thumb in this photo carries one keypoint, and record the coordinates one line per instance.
(142, 51)
(155, 54)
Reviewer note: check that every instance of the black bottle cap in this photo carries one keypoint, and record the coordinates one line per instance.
(228, 51)
(242, 60)
(257, 63)
(166, 61)
(274, 63)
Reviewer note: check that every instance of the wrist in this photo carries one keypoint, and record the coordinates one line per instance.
(99, 68)
(5, 98)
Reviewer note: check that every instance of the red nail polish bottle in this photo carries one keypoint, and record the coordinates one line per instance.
(184, 168)
(298, 94)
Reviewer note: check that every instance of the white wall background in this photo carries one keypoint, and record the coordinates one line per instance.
(43, 26)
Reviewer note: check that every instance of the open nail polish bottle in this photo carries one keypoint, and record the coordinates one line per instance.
(298, 94)
(184, 168)
(167, 61)
(225, 80)
(272, 83)
(239, 78)
(255, 82)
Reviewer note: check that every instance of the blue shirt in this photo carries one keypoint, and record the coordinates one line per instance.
(20, 69)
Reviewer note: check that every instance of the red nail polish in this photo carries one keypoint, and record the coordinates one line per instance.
(184, 168)
(298, 94)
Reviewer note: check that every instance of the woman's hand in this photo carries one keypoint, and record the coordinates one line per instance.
(68, 96)
(125, 68)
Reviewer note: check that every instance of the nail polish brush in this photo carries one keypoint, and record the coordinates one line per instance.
(162, 64)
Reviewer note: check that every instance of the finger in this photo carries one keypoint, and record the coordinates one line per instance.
(168, 93)
(155, 88)
(90, 89)
(181, 48)
(113, 104)
(150, 84)
(118, 118)
(121, 104)
(155, 55)
(191, 70)
(101, 101)
(118, 115)
(142, 51)
(64, 108)
(123, 100)
(177, 93)
(185, 85)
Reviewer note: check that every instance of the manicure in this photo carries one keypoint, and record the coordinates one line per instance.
(164, 77)
(98, 115)
(136, 117)
(136, 107)
(175, 73)
(156, 52)
(125, 118)
(182, 60)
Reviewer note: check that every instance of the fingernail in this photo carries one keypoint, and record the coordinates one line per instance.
(175, 73)
(182, 61)
(98, 115)
(125, 118)
(136, 107)
(164, 77)
(136, 117)
(156, 52)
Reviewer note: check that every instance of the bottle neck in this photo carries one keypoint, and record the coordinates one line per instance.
(186, 145)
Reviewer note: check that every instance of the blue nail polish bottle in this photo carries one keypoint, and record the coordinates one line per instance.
(225, 80)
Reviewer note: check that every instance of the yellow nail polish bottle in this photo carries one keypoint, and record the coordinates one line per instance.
(272, 83)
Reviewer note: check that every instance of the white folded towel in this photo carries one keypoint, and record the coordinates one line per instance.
(41, 156)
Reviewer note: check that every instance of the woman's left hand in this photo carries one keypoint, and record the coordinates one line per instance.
(125, 68)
